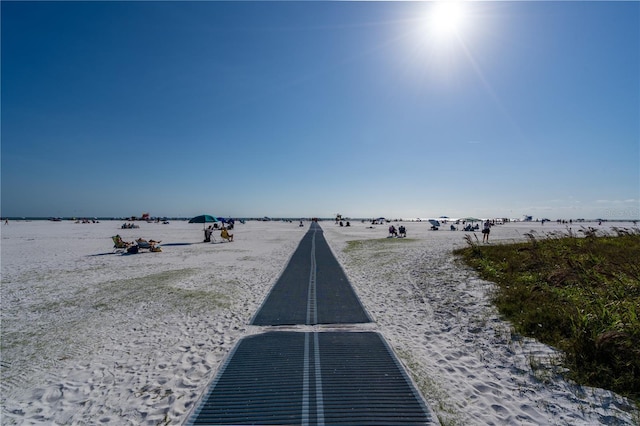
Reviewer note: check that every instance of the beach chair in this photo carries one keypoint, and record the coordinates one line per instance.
(143, 244)
(119, 244)
(225, 235)
(147, 245)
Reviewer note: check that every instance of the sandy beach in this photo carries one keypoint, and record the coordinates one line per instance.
(93, 337)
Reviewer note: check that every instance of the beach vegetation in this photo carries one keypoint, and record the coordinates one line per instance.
(376, 244)
(576, 291)
(380, 249)
(145, 296)
(161, 290)
(157, 288)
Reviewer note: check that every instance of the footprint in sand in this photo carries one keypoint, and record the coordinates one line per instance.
(50, 394)
(499, 409)
(185, 383)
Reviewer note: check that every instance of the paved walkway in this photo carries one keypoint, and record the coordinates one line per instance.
(318, 377)
(313, 289)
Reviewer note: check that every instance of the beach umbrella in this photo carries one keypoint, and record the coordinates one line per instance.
(472, 219)
(203, 218)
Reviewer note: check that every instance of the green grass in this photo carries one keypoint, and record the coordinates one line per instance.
(364, 251)
(580, 295)
(159, 290)
(147, 296)
(378, 244)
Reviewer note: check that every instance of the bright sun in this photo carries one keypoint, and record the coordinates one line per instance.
(445, 19)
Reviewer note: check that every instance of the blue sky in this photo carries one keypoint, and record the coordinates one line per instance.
(299, 109)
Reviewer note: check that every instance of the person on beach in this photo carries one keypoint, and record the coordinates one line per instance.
(485, 231)
(225, 235)
(207, 234)
(402, 231)
(392, 231)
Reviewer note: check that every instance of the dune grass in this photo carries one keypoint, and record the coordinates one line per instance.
(579, 293)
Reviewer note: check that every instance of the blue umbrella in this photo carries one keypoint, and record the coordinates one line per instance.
(203, 218)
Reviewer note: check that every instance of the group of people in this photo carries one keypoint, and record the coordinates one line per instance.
(470, 227)
(224, 234)
(401, 232)
(135, 246)
(87, 221)
(486, 230)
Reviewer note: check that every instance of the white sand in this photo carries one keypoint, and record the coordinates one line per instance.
(91, 337)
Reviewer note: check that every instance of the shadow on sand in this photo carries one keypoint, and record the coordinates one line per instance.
(125, 253)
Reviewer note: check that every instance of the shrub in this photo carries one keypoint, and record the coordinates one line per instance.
(580, 295)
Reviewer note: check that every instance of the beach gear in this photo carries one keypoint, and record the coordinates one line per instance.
(147, 245)
(225, 235)
(144, 244)
(203, 218)
(119, 244)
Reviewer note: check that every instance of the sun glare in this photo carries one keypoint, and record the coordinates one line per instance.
(440, 37)
(445, 19)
